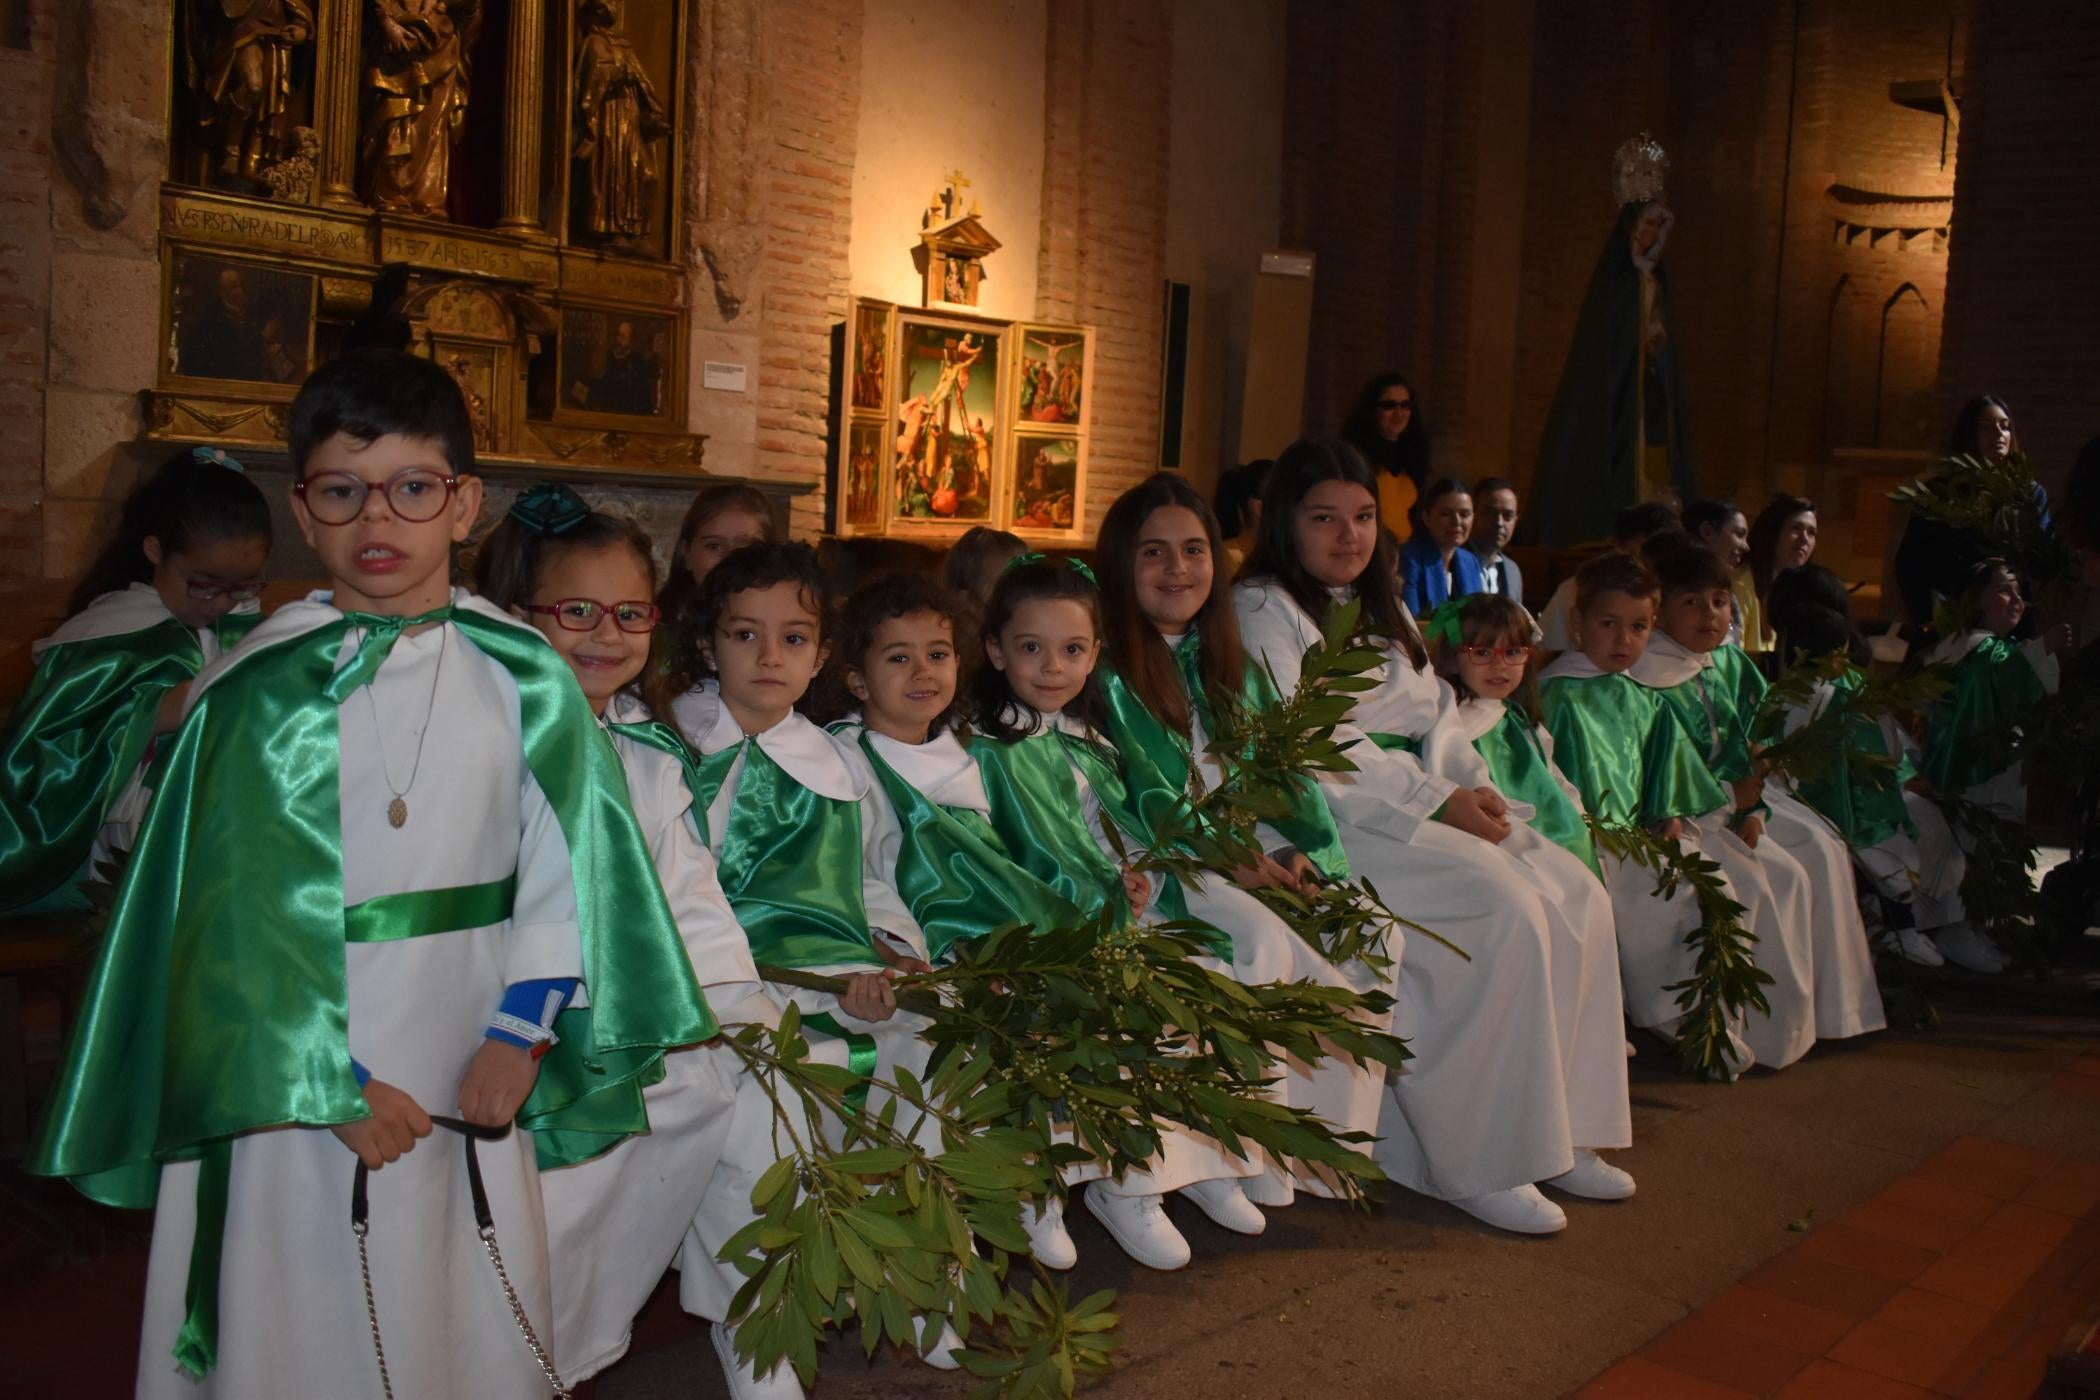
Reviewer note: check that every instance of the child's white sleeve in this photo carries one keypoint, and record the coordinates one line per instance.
(2046, 668)
(544, 938)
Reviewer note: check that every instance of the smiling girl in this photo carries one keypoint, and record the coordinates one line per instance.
(1506, 1084)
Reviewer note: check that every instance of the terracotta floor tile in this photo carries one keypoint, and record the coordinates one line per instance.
(1702, 1347)
(2000, 1186)
(1822, 1284)
(1797, 1326)
(1827, 1380)
(2005, 1379)
(1893, 1221)
(1935, 1315)
(2086, 1064)
(1636, 1379)
(1888, 1351)
(1939, 1199)
(2017, 1239)
(2072, 1189)
(1992, 1168)
(1894, 1260)
(2071, 1254)
(1972, 1283)
(2076, 1085)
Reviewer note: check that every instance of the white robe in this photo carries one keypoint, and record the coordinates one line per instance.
(1489, 1102)
(292, 1316)
(1846, 998)
(755, 1141)
(615, 1223)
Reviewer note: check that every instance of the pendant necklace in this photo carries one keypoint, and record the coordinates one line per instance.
(397, 810)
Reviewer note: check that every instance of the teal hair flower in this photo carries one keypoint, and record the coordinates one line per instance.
(549, 508)
(217, 457)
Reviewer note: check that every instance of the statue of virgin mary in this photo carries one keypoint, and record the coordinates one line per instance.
(1615, 436)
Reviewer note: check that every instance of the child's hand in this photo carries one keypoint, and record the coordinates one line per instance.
(1668, 830)
(1468, 813)
(1749, 791)
(869, 996)
(1137, 888)
(1750, 828)
(396, 1122)
(1919, 785)
(1492, 800)
(168, 718)
(903, 962)
(497, 1081)
(2059, 639)
(1300, 873)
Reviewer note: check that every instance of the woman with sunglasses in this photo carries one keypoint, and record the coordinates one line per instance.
(174, 587)
(1520, 1073)
(1385, 425)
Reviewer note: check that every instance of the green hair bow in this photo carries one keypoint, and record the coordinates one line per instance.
(1444, 624)
(1079, 567)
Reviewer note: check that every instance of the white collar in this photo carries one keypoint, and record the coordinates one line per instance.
(1572, 665)
(1668, 663)
(804, 752)
(1954, 648)
(1027, 721)
(1477, 716)
(627, 708)
(117, 614)
(941, 769)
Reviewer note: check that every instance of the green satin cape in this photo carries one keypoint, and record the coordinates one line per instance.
(1522, 772)
(217, 1004)
(790, 863)
(954, 872)
(1625, 752)
(74, 740)
(1158, 760)
(1862, 800)
(1969, 741)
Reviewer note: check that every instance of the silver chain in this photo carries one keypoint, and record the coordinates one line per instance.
(364, 1266)
(517, 1310)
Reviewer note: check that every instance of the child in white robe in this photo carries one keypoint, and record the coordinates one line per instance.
(616, 1219)
(1491, 1105)
(355, 908)
(783, 819)
(1715, 691)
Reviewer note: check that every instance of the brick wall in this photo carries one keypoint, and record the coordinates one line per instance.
(25, 287)
(1103, 257)
(2023, 287)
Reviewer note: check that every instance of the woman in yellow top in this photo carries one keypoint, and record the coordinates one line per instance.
(1385, 426)
(1237, 502)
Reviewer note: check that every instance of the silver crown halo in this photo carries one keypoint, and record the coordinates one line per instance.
(1638, 170)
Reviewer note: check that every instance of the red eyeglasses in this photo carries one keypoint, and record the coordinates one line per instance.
(1483, 655)
(584, 614)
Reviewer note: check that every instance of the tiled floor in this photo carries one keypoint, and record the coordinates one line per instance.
(1957, 1279)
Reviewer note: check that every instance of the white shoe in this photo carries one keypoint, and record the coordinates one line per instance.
(1140, 1226)
(1521, 1210)
(746, 1384)
(942, 1356)
(1272, 1188)
(1965, 947)
(1918, 948)
(1226, 1203)
(1593, 1179)
(1048, 1239)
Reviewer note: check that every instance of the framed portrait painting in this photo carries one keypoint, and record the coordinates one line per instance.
(947, 429)
(238, 322)
(617, 363)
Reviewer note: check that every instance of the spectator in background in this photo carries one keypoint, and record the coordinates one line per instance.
(1722, 528)
(1494, 523)
(975, 562)
(1934, 559)
(1782, 537)
(1436, 564)
(1238, 504)
(1386, 426)
(1630, 529)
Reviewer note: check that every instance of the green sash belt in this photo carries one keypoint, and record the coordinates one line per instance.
(392, 917)
(860, 1055)
(1400, 743)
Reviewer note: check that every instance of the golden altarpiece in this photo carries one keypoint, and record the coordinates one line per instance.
(494, 184)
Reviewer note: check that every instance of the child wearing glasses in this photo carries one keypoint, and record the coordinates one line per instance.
(387, 846)
(173, 588)
(615, 1221)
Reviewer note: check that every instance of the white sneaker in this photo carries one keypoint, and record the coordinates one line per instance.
(1918, 948)
(1965, 947)
(1048, 1239)
(942, 1356)
(1521, 1210)
(1272, 1188)
(746, 1384)
(1226, 1203)
(1140, 1226)
(1593, 1178)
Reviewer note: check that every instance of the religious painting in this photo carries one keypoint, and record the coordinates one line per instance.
(947, 423)
(1053, 372)
(868, 355)
(237, 321)
(860, 504)
(617, 362)
(1048, 494)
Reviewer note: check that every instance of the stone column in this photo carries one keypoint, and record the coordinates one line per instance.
(335, 99)
(521, 119)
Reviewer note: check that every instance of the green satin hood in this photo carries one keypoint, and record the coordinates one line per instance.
(1625, 752)
(1523, 773)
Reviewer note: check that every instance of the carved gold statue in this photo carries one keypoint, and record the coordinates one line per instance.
(238, 58)
(416, 85)
(620, 121)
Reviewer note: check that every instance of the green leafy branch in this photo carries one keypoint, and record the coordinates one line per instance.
(1726, 983)
(1994, 500)
(1839, 711)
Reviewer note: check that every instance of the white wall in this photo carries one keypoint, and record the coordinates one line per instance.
(948, 84)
